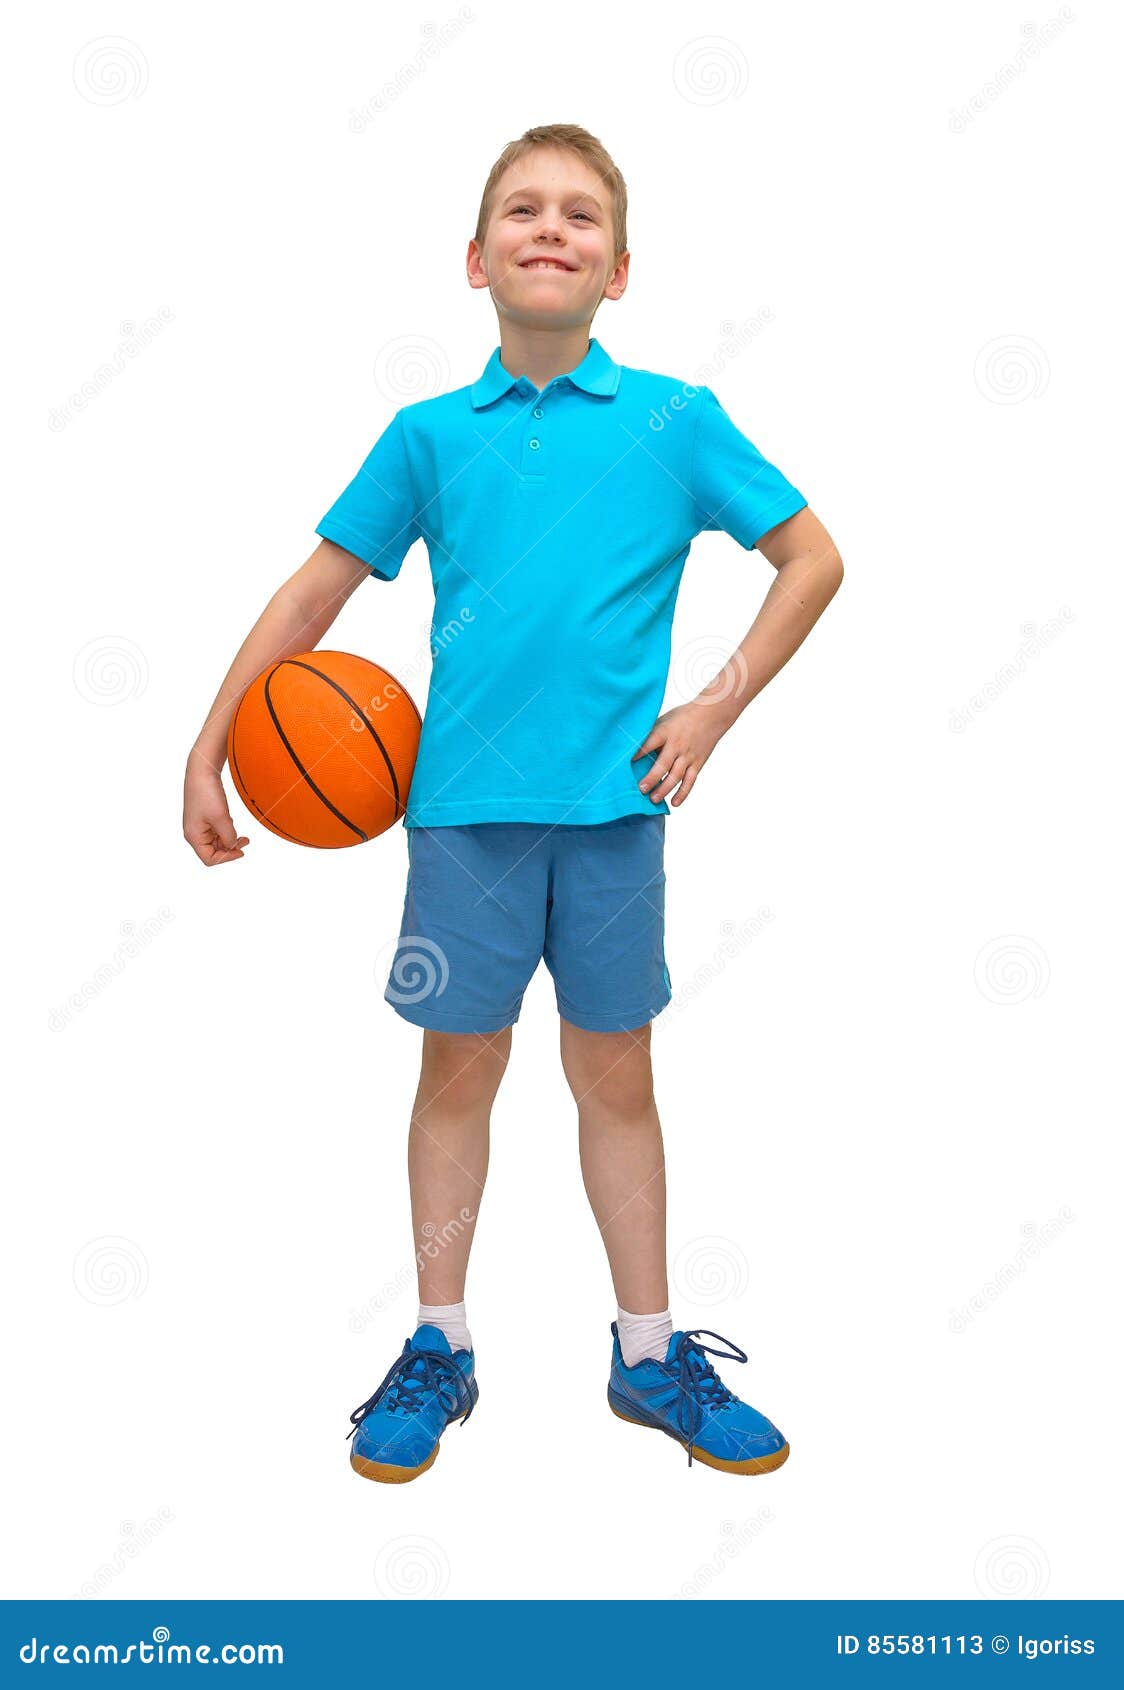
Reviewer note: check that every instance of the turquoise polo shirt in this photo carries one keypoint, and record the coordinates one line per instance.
(557, 524)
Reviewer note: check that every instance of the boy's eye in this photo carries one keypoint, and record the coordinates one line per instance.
(518, 208)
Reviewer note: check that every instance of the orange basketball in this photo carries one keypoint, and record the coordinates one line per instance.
(322, 748)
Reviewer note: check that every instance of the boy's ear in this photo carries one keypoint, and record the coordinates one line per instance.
(618, 279)
(474, 266)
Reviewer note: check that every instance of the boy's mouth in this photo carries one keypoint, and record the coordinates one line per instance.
(545, 264)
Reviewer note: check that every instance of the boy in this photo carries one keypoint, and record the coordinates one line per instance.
(557, 496)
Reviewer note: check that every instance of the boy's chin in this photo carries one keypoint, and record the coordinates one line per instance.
(531, 314)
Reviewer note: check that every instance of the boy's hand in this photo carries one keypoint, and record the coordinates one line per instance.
(207, 825)
(684, 738)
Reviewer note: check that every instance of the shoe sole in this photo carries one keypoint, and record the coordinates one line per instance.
(384, 1473)
(750, 1468)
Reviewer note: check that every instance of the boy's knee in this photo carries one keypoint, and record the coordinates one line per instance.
(609, 1071)
(463, 1069)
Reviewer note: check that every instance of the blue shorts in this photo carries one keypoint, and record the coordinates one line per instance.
(486, 901)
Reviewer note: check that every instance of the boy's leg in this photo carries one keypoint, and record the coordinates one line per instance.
(621, 1148)
(448, 1152)
(397, 1431)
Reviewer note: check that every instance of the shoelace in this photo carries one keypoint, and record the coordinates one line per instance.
(698, 1385)
(414, 1376)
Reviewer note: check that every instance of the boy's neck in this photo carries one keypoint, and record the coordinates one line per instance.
(542, 354)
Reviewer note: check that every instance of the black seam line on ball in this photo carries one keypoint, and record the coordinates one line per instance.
(297, 664)
(253, 803)
(323, 797)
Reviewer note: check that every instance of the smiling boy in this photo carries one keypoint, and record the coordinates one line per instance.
(557, 496)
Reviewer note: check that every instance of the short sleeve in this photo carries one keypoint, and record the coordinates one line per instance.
(733, 486)
(375, 516)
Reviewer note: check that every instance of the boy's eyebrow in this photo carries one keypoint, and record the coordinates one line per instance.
(529, 193)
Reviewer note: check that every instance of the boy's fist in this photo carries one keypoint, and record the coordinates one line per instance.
(207, 825)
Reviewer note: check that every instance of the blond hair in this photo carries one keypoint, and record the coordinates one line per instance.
(573, 138)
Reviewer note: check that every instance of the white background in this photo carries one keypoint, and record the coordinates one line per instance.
(891, 1140)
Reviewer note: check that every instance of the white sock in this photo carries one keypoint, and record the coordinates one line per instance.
(449, 1318)
(643, 1335)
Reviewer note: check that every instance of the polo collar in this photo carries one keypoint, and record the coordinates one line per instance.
(596, 374)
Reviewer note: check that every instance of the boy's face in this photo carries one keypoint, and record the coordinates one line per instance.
(548, 249)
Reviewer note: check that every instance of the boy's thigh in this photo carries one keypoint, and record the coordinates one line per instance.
(473, 922)
(605, 926)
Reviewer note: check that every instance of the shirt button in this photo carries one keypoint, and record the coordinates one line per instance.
(534, 445)
(537, 412)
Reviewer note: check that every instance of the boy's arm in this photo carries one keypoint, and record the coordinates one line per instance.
(296, 618)
(809, 571)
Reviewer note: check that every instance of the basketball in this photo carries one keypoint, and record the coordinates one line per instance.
(322, 748)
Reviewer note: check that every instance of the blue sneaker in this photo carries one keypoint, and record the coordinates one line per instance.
(398, 1431)
(684, 1397)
